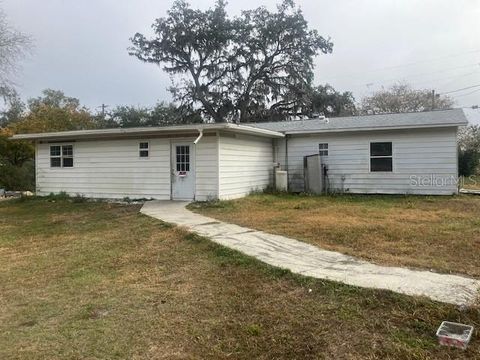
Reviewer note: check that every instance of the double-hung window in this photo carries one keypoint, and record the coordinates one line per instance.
(144, 149)
(381, 159)
(323, 149)
(61, 156)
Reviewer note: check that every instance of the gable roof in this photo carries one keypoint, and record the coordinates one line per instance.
(440, 118)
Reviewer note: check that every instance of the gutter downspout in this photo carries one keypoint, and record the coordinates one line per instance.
(200, 135)
(195, 142)
(286, 162)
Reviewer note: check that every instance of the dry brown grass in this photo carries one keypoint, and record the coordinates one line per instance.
(472, 182)
(100, 281)
(440, 233)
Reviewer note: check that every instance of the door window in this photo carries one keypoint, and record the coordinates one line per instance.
(183, 157)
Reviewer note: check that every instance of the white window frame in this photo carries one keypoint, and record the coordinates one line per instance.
(147, 149)
(61, 156)
(323, 149)
(370, 157)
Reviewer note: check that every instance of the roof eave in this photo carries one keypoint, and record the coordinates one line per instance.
(374, 128)
(135, 132)
(254, 130)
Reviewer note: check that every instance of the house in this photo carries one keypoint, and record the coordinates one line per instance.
(413, 153)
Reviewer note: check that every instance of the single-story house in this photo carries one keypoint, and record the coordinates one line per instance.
(412, 153)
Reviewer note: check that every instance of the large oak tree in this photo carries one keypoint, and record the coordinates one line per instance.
(327, 101)
(255, 66)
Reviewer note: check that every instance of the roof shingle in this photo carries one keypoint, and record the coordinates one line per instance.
(453, 117)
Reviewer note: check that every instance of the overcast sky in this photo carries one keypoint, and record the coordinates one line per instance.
(80, 46)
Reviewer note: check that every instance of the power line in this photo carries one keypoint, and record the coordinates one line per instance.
(457, 77)
(404, 65)
(465, 88)
(384, 81)
(469, 93)
(431, 60)
(454, 77)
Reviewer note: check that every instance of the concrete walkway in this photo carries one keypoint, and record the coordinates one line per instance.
(309, 260)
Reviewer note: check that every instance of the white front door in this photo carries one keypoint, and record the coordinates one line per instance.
(183, 171)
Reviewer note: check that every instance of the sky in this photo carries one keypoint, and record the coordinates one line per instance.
(81, 47)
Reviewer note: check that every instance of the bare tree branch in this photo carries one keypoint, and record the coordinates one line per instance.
(14, 46)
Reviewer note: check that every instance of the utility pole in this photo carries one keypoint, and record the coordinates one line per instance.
(433, 100)
(104, 107)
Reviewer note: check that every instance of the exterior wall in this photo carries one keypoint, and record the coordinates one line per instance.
(245, 165)
(113, 169)
(206, 154)
(424, 161)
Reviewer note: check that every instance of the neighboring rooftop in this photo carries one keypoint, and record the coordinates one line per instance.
(439, 118)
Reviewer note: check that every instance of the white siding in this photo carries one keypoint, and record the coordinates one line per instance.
(113, 169)
(109, 169)
(206, 153)
(429, 155)
(245, 165)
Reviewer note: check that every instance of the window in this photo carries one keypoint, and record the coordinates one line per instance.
(381, 157)
(55, 156)
(61, 156)
(323, 149)
(143, 149)
(183, 157)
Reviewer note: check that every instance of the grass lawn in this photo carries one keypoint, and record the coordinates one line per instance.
(440, 233)
(101, 281)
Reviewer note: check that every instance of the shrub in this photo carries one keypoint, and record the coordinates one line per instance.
(468, 162)
(18, 178)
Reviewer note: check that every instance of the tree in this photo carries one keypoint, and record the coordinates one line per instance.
(13, 106)
(14, 152)
(160, 115)
(469, 150)
(54, 111)
(16, 163)
(255, 66)
(54, 99)
(130, 116)
(467, 162)
(327, 101)
(469, 137)
(13, 46)
(402, 98)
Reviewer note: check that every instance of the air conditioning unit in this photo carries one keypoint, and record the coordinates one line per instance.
(281, 180)
(313, 174)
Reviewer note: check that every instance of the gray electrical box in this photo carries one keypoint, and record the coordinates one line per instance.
(313, 174)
